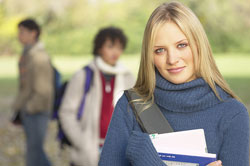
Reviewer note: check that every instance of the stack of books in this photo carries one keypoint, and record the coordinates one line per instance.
(183, 148)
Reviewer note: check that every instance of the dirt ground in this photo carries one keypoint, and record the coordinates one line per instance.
(12, 140)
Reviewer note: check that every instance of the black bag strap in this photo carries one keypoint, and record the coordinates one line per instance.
(151, 119)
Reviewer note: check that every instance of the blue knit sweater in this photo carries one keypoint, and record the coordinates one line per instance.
(191, 105)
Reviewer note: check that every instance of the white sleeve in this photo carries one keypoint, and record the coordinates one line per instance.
(69, 108)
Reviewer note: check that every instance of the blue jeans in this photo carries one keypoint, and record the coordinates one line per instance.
(35, 127)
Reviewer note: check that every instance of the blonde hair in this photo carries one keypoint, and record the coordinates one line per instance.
(186, 20)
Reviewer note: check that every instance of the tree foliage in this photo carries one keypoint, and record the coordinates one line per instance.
(69, 26)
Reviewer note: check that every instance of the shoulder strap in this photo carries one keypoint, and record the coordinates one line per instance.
(151, 119)
(88, 79)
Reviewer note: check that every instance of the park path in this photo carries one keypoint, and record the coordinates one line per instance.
(12, 140)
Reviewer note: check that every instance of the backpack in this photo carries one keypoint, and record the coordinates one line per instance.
(59, 88)
(59, 92)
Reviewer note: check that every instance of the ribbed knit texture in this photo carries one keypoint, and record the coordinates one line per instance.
(187, 106)
(140, 150)
(188, 97)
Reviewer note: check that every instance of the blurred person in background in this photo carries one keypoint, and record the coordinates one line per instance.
(109, 79)
(35, 94)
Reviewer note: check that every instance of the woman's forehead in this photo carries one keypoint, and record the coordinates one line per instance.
(169, 32)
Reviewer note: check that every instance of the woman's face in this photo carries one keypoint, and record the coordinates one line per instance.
(172, 54)
(111, 51)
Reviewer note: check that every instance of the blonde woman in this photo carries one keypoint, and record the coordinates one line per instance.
(179, 74)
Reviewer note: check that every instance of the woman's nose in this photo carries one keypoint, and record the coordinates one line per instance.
(172, 57)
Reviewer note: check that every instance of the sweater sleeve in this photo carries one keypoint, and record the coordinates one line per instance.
(141, 151)
(113, 152)
(235, 148)
(125, 144)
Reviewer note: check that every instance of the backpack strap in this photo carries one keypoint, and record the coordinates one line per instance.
(151, 120)
(88, 79)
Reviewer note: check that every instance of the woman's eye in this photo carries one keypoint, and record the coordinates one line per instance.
(182, 45)
(159, 50)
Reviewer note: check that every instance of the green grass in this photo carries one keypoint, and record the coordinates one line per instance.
(235, 69)
(8, 87)
(240, 85)
(233, 65)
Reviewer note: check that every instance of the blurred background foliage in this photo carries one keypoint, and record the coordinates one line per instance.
(70, 25)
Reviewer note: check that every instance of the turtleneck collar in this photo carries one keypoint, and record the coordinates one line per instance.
(192, 96)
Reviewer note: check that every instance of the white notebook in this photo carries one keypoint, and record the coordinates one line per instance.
(189, 139)
(184, 148)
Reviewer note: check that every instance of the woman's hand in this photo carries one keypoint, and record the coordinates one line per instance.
(216, 163)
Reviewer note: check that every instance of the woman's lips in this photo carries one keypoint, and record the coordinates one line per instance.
(176, 70)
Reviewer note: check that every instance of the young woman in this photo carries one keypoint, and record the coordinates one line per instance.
(179, 74)
(109, 80)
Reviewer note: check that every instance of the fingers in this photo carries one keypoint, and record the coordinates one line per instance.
(216, 163)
